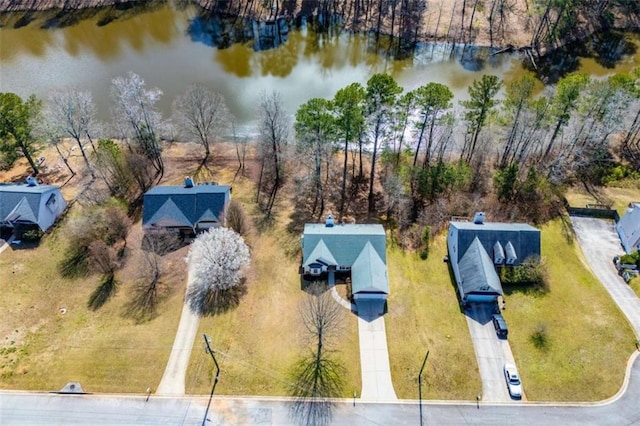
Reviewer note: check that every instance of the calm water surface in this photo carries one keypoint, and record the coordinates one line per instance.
(161, 46)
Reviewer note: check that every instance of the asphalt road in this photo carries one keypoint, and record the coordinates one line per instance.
(19, 408)
(599, 242)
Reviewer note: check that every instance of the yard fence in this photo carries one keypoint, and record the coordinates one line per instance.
(594, 210)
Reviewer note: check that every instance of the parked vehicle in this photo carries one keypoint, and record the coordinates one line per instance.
(514, 386)
(500, 325)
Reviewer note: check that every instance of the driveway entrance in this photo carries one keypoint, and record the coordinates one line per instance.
(374, 356)
(491, 352)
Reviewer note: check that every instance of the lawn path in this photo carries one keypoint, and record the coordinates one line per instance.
(173, 379)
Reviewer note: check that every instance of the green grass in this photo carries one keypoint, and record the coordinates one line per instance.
(104, 350)
(588, 341)
(424, 315)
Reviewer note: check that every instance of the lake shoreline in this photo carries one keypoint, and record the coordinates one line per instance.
(520, 34)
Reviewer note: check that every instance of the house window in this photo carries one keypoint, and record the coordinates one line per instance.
(51, 203)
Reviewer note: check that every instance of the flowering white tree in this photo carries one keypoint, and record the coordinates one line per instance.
(218, 261)
(136, 114)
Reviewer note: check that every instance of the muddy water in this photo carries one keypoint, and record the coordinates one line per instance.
(172, 48)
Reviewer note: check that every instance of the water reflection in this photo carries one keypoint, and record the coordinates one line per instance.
(603, 54)
(171, 48)
(133, 27)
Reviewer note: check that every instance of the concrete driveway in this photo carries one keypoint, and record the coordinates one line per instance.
(491, 352)
(599, 242)
(173, 379)
(374, 355)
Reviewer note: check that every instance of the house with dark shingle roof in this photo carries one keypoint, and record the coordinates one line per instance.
(188, 209)
(478, 248)
(30, 204)
(358, 250)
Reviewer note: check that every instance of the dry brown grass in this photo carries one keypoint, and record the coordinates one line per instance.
(617, 198)
(259, 342)
(105, 349)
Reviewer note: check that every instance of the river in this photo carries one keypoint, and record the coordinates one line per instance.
(170, 50)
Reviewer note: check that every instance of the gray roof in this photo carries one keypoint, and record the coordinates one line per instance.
(360, 246)
(477, 273)
(345, 242)
(369, 273)
(628, 228)
(178, 206)
(320, 253)
(524, 238)
(21, 203)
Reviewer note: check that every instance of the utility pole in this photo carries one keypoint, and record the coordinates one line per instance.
(215, 380)
(420, 385)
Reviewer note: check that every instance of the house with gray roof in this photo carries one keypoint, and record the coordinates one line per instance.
(356, 250)
(188, 209)
(628, 228)
(30, 204)
(478, 248)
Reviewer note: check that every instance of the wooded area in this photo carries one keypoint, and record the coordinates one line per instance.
(373, 152)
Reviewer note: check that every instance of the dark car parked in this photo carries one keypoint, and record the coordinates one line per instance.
(501, 326)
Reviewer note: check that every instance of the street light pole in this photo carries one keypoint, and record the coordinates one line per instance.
(215, 380)
(420, 385)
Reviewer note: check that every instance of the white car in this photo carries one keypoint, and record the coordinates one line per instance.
(513, 381)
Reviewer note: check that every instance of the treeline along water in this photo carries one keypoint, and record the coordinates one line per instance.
(171, 47)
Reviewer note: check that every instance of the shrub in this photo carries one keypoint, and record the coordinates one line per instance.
(32, 235)
(236, 218)
(532, 272)
(539, 337)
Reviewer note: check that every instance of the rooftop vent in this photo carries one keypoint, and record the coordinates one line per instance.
(31, 181)
(188, 182)
(330, 221)
(478, 218)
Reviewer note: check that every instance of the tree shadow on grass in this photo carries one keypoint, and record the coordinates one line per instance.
(103, 293)
(316, 380)
(209, 303)
(75, 262)
(143, 305)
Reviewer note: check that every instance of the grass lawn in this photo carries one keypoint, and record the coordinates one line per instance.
(104, 350)
(424, 315)
(583, 341)
(618, 197)
(258, 343)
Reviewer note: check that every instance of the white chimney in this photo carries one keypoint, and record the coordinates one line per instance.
(478, 218)
(31, 181)
(329, 222)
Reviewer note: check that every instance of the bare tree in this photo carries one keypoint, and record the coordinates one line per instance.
(72, 113)
(275, 129)
(236, 218)
(201, 113)
(49, 133)
(241, 145)
(318, 376)
(218, 260)
(137, 115)
(148, 289)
